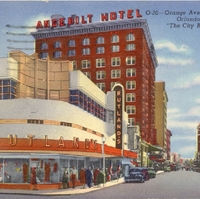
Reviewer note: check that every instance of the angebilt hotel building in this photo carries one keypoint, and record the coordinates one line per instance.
(56, 116)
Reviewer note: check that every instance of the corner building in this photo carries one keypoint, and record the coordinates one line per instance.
(108, 52)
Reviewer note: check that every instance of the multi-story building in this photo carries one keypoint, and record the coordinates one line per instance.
(161, 100)
(168, 143)
(59, 119)
(108, 52)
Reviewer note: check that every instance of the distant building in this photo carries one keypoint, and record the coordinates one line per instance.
(168, 143)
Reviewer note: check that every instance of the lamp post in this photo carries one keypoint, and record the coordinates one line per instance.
(103, 154)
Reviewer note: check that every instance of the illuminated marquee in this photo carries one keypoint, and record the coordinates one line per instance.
(118, 115)
(60, 21)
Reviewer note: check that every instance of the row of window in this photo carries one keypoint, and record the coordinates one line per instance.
(7, 89)
(86, 51)
(86, 41)
(81, 100)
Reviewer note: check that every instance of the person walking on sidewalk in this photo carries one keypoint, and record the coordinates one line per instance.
(83, 176)
(73, 176)
(89, 177)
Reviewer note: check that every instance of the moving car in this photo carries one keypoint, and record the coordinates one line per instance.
(135, 175)
(151, 172)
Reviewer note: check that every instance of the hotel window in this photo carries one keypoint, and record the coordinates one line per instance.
(112, 84)
(130, 109)
(57, 44)
(74, 65)
(130, 85)
(131, 121)
(130, 97)
(71, 43)
(100, 63)
(115, 61)
(44, 46)
(130, 37)
(130, 47)
(100, 75)
(115, 74)
(7, 89)
(130, 72)
(86, 41)
(115, 39)
(100, 50)
(43, 55)
(130, 60)
(87, 74)
(86, 51)
(100, 40)
(85, 64)
(57, 54)
(71, 53)
(101, 86)
(115, 48)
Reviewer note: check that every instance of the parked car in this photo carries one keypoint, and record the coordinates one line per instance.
(145, 172)
(135, 175)
(151, 172)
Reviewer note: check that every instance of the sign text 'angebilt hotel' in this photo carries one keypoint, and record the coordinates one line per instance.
(129, 14)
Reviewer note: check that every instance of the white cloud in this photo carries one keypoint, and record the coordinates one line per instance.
(172, 47)
(187, 151)
(191, 83)
(174, 61)
(194, 111)
(197, 100)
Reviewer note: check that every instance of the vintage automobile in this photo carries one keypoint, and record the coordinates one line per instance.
(135, 175)
(151, 172)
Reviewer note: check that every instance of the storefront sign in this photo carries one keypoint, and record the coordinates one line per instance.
(89, 143)
(61, 21)
(118, 115)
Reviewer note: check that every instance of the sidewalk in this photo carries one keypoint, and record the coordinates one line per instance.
(67, 192)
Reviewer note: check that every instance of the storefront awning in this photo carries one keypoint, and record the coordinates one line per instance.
(154, 148)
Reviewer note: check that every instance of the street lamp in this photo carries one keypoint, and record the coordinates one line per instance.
(103, 154)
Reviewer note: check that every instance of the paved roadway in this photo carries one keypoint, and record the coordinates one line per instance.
(172, 185)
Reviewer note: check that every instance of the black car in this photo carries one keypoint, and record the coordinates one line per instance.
(135, 175)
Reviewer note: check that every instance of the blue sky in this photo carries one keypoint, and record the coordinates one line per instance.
(176, 41)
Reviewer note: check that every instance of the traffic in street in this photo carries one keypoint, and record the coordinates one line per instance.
(181, 184)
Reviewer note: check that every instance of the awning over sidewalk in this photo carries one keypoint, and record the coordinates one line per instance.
(154, 148)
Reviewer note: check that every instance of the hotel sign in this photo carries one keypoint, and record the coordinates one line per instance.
(118, 115)
(60, 21)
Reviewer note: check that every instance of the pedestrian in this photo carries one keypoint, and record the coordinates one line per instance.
(89, 177)
(73, 176)
(33, 178)
(96, 172)
(83, 176)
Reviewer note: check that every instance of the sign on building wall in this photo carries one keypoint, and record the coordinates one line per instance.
(118, 115)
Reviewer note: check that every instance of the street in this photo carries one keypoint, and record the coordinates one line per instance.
(173, 185)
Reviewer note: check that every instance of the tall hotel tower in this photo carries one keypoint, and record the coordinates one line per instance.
(118, 49)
